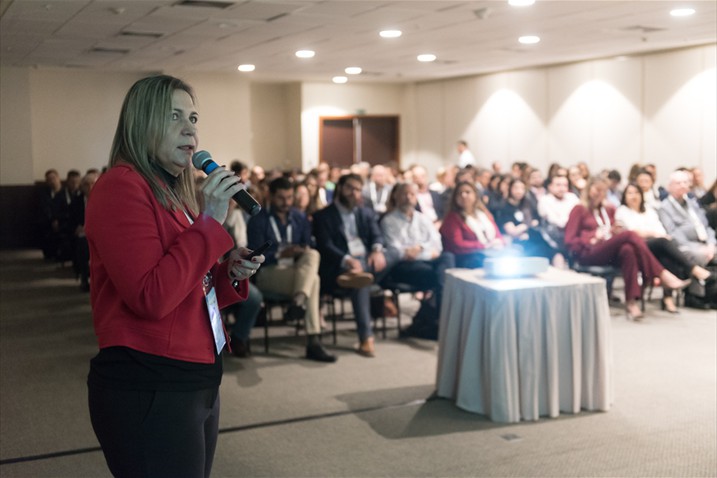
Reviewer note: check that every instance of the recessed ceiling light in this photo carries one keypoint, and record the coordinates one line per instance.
(353, 70)
(682, 12)
(426, 57)
(305, 53)
(391, 33)
(521, 3)
(339, 79)
(246, 67)
(529, 39)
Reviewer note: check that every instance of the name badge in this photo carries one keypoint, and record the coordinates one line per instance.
(215, 318)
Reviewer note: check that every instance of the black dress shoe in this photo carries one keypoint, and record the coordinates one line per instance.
(295, 312)
(240, 348)
(318, 353)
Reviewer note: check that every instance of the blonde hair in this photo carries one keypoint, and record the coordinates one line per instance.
(585, 194)
(142, 125)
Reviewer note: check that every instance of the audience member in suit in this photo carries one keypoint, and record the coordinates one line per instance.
(518, 219)
(62, 206)
(614, 192)
(686, 221)
(49, 222)
(413, 246)
(351, 246)
(429, 202)
(81, 259)
(468, 230)
(634, 216)
(708, 202)
(292, 265)
(377, 190)
(593, 238)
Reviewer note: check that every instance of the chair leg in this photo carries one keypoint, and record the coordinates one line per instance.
(267, 317)
(395, 294)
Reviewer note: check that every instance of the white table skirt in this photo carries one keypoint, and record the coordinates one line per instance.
(517, 349)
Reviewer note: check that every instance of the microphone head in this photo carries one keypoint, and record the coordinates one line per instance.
(201, 157)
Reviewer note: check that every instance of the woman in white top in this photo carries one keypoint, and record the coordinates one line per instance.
(634, 216)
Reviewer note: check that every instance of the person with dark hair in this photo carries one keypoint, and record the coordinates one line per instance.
(465, 157)
(593, 238)
(351, 246)
(292, 265)
(518, 219)
(614, 193)
(240, 169)
(634, 216)
(469, 231)
(157, 289)
(50, 202)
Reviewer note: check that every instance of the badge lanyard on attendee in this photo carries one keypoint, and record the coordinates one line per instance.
(284, 261)
(210, 297)
(603, 222)
(692, 215)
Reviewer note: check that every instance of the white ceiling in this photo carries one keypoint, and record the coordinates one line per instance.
(468, 37)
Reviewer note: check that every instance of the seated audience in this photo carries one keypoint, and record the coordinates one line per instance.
(377, 190)
(468, 230)
(536, 187)
(415, 254)
(646, 182)
(593, 238)
(708, 202)
(351, 246)
(50, 203)
(576, 180)
(614, 193)
(518, 220)
(291, 267)
(429, 202)
(81, 259)
(686, 221)
(634, 216)
(698, 183)
(554, 209)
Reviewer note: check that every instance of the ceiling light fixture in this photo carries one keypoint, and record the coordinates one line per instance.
(246, 67)
(353, 70)
(682, 12)
(529, 39)
(426, 57)
(521, 3)
(305, 53)
(339, 79)
(391, 33)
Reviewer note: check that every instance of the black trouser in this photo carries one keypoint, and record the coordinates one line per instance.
(156, 433)
(666, 251)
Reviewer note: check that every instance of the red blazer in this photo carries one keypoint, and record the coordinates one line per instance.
(458, 238)
(147, 266)
(582, 227)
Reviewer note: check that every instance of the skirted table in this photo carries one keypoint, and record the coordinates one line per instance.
(518, 349)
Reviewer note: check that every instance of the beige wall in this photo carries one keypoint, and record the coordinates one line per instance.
(16, 158)
(658, 108)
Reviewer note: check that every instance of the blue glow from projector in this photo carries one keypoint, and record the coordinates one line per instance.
(509, 266)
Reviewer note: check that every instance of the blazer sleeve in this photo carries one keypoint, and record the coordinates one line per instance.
(327, 231)
(577, 237)
(153, 260)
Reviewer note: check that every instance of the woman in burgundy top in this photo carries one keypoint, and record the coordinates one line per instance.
(593, 238)
(468, 230)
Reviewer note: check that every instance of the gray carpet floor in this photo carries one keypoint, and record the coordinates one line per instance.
(283, 416)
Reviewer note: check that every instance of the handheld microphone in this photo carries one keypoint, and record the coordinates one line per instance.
(203, 160)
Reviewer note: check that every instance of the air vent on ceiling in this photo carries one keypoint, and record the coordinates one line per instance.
(116, 51)
(204, 4)
(141, 34)
(642, 29)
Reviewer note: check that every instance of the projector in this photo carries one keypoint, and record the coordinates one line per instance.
(504, 267)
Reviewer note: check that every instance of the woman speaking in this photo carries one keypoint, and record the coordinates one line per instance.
(157, 288)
